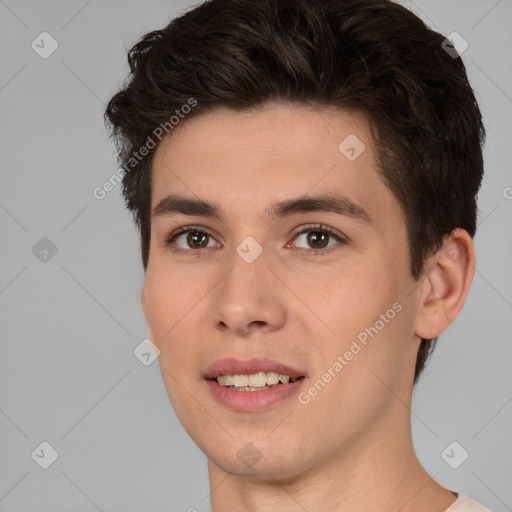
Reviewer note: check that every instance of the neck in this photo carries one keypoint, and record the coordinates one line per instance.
(378, 472)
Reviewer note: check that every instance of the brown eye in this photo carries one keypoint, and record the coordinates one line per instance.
(197, 239)
(318, 239)
(190, 240)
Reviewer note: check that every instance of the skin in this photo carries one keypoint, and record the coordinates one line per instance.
(349, 448)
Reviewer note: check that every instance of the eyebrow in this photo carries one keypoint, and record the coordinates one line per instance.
(329, 203)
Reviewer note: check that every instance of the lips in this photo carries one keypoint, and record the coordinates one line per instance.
(239, 367)
(250, 399)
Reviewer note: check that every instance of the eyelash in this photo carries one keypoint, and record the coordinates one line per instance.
(321, 228)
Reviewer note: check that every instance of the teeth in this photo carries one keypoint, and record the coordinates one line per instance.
(240, 381)
(255, 380)
(272, 378)
(258, 380)
(225, 380)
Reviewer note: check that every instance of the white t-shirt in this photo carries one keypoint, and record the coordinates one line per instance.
(465, 503)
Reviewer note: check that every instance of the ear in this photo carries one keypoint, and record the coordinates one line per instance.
(445, 287)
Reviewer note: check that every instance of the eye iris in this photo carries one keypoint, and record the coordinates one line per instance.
(318, 239)
(194, 237)
(199, 239)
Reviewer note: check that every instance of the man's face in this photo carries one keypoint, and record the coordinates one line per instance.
(334, 308)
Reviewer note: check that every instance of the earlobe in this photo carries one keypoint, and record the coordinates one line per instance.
(446, 285)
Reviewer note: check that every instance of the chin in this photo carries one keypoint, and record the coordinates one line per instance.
(268, 462)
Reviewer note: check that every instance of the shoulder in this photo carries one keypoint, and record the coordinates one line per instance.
(465, 503)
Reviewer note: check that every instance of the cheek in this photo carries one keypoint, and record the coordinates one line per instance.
(369, 323)
(169, 302)
(348, 298)
(169, 295)
(362, 372)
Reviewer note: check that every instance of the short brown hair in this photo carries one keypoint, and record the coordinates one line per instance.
(374, 57)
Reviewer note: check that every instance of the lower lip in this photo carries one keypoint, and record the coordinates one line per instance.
(253, 400)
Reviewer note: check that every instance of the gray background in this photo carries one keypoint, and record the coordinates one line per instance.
(69, 325)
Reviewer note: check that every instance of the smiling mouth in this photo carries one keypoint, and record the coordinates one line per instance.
(255, 381)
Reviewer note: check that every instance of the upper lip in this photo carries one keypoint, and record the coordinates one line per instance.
(231, 366)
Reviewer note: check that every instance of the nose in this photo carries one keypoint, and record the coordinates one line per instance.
(249, 298)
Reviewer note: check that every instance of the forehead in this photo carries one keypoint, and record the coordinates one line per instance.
(246, 161)
(283, 129)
